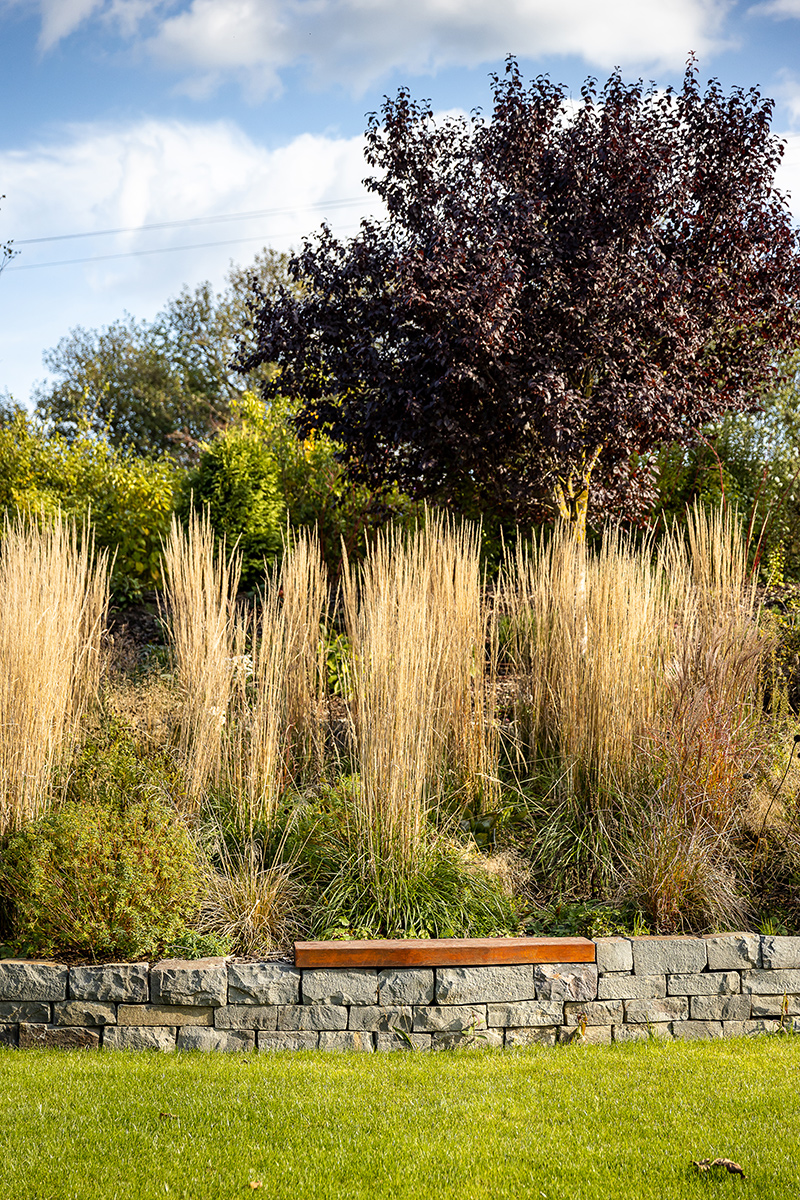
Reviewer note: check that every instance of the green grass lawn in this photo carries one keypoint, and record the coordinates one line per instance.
(573, 1121)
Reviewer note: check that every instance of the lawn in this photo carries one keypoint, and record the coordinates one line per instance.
(585, 1122)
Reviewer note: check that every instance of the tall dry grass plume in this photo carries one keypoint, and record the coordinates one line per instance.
(200, 589)
(418, 627)
(55, 596)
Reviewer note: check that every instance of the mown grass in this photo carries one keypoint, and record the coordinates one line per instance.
(586, 1122)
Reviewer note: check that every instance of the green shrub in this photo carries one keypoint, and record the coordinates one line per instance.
(101, 880)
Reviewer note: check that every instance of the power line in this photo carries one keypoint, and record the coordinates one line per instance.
(71, 262)
(259, 212)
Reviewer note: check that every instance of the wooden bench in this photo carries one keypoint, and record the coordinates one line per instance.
(444, 952)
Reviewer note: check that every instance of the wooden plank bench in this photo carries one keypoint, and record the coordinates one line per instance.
(444, 952)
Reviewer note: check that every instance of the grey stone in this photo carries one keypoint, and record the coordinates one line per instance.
(696, 1031)
(55, 1037)
(120, 983)
(23, 980)
(411, 1041)
(285, 1040)
(543, 1035)
(263, 983)
(309, 1017)
(84, 1012)
(369, 1019)
(203, 981)
(449, 1018)
(197, 1038)
(642, 1033)
(405, 985)
(337, 986)
(613, 954)
(139, 1037)
(8, 1035)
(476, 985)
(345, 1040)
(772, 1006)
(32, 1011)
(631, 987)
(780, 953)
(246, 1016)
(593, 1035)
(565, 981)
(733, 1029)
(733, 951)
(720, 1008)
(164, 1014)
(489, 1039)
(526, 1013)
(711, 983)
(771, 983)
(669, 955)
(595, 1012)
(756, 1028)
(653, 1012)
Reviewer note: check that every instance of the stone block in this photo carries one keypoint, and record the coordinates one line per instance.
(311, 1017)
(565, 981)
(613, 954)
(338, 986)
(719, 1008)
(771, 983)
(372, 1019)
(595, 1012)
(111, 983)
(263, 983)
(405, 985)
(451, 1018)
(84, 1012)
(32, 1011)
(8, 1035)
(593, 1035)
(711, 983)
(139, 1037)
(631, 987)
(542, 1035)
(489, 1039)
(525, 1013)
(733, 951)
(669, 955)
(55, 1037)
(201, 982)
(345, 1040)
(756, 1028)
(163, 1014)
(696, 1031)
(23, 980)
(772, 1006)
(733, 1029)
(476, 985)
(642, 1033)
(287, 1040)
(780, 953)
(654, 1012)
(198, 1038)
(412, 1041)
(246, 1016)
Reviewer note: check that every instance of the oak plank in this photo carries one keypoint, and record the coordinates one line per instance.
(443, 952)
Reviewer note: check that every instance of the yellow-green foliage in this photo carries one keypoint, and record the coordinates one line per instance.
(129, 498)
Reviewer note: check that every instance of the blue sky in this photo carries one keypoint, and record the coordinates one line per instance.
(122, 114)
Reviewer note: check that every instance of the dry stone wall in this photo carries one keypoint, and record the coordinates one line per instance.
(727, 985)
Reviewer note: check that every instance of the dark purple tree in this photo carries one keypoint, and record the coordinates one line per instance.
(557, 290)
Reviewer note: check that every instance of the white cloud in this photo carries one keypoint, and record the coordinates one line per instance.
(355, 42)
(778, 8)
(97, 178)
(787, 177)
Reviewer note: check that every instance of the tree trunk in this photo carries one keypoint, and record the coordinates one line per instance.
(571, 494)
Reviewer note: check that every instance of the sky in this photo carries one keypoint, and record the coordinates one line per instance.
(184, 135)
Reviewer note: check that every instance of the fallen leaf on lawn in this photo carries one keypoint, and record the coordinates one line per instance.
(707, 1164)
(165, 1116)
(256, 1183)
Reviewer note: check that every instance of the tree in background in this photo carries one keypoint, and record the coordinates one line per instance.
(6, 251)
(556, 292)
(161, 386)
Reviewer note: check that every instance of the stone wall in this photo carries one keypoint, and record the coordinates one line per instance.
(722, 986)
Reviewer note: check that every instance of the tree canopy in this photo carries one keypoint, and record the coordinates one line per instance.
(558, 289)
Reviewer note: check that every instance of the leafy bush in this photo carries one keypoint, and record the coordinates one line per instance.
(101, 880)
